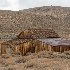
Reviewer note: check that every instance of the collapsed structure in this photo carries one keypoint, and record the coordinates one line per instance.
(35, 40)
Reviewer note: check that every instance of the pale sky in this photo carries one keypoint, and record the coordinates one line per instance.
(16, 5)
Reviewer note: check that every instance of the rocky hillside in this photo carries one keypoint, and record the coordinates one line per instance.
(14, 22)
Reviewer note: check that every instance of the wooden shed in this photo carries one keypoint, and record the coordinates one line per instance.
(33, 45)
(36, 40)
(23, 46)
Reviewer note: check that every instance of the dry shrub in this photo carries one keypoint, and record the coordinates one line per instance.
(44, 54)
(29, 57)
(48, 54)
(5, 56)
(28, 53)
(16, 54)
(35, 64)
(67, 52)
(29, 65)
(21, 60)
(4, 63)
(9, 68)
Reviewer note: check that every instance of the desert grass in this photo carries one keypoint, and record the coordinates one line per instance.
(43, 60)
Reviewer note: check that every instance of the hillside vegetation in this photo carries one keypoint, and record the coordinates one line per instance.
(14, 22)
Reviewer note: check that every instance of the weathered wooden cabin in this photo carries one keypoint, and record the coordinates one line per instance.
(35, 40)
(23, 46)
(27, 41)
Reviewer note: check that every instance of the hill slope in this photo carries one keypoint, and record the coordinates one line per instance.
(13, 22)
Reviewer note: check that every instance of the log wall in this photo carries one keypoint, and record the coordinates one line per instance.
(33, 46)
(60, 48)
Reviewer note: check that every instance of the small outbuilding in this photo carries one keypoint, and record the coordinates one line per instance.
(35, 40)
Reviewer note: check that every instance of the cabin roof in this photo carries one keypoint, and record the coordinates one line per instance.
(50, 41)
(39, 33)
(56, 41)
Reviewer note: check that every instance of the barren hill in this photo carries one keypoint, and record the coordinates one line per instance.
(52, 17)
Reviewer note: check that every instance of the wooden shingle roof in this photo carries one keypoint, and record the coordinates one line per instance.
(38, 33)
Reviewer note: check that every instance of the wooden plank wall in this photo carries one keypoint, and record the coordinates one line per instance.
(60, 48)
(33, 46)
(5, 48)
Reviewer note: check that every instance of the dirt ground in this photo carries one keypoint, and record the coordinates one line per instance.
(44, 60)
